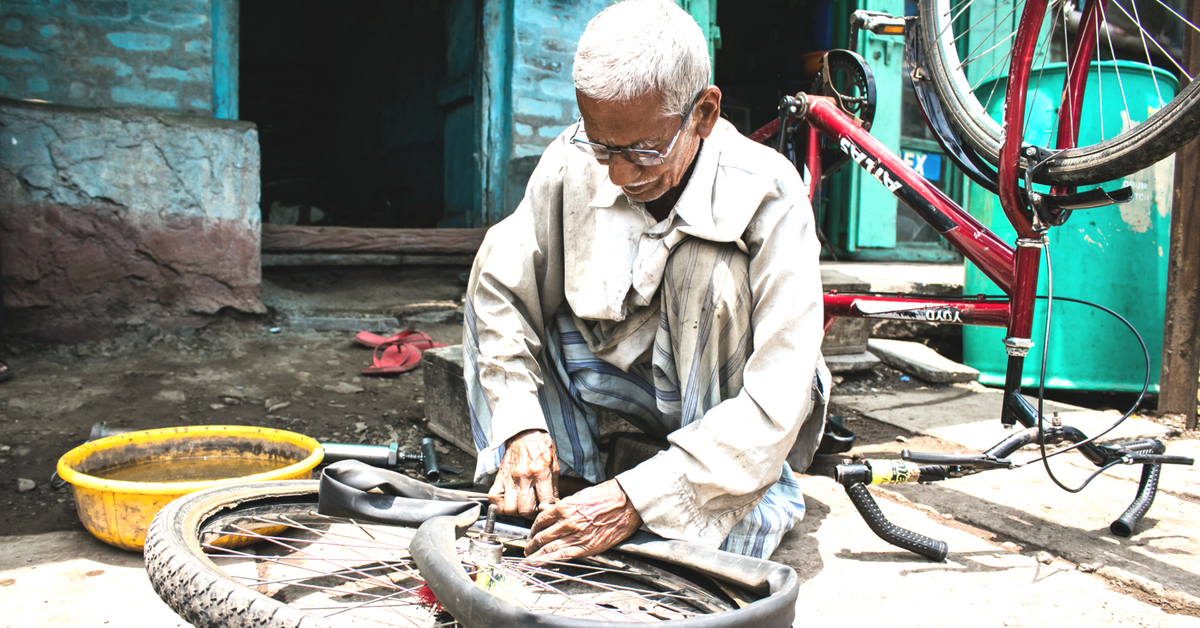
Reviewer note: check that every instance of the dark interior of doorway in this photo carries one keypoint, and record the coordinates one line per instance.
(761, 58)
(344, 96)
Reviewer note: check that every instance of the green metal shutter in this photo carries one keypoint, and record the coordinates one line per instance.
(705, 14)
(872, 208)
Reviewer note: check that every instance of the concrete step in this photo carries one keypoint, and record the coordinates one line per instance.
(851, 362)
(897, 277)
(916, 359)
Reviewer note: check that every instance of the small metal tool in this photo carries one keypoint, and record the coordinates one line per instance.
(487, 549)
(389, 456)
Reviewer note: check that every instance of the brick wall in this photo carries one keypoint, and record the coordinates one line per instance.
(543, 94)
(546, 33)
(109, 53)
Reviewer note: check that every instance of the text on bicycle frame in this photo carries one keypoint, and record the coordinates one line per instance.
(870, 165)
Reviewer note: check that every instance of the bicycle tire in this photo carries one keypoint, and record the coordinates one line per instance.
(193, 587)
(206, 595)
(1171, 127)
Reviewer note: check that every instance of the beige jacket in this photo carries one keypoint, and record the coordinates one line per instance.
(577, 238)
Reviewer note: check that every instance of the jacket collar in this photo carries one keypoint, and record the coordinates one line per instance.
(695, 206)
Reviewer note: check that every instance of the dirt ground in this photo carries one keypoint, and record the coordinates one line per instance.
(239, 374)
(229, 373)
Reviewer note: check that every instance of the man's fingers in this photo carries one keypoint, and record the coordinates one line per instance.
(545, 488)
(496, 493)
(560, 549)
(512, 493)
(543, 520)
(526, 498)
(549, 533)
(526, 478)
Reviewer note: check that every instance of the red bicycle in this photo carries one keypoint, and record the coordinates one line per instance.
(822, 130)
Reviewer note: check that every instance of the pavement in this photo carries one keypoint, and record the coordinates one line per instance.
(1022, 552)
(1021, 513)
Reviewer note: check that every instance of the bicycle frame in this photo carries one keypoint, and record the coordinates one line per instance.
(994, 257)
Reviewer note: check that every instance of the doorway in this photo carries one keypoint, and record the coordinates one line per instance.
(345, 97)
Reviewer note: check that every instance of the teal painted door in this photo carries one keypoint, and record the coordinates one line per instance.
(863, 219)
(705, 14)
(872, 208)
(456, 97)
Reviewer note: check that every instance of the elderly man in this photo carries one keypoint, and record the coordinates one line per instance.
(664, 267)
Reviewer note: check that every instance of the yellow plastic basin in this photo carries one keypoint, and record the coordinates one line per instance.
(118, 512)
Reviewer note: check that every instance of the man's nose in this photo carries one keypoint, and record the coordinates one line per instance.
(621, 172)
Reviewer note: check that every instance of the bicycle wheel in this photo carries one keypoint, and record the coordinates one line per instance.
(968, 47)
(307, 569)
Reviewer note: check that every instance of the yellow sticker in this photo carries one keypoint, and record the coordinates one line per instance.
(893, 472)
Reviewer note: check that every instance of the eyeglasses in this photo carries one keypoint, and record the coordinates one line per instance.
(638, 156)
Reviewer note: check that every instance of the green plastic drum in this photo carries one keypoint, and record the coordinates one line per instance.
(1114, 256)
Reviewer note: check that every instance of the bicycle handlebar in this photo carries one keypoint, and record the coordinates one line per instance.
(855, 476)
(1147, 487)
(888, 531)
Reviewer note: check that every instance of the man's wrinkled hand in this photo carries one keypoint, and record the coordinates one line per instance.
(584, 524)
(528, 476)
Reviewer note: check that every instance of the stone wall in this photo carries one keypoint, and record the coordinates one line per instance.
(109, 53)
(121, 218)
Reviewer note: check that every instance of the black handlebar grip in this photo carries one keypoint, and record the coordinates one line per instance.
(905, 539)
(1123, 526)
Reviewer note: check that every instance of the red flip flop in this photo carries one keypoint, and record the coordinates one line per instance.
(393, 358)
(418, 340)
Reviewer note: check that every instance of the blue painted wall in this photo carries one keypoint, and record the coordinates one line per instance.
(109, 53)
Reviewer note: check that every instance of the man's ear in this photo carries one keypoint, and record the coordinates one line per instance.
(708, 111)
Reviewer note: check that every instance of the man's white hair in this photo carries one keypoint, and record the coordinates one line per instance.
(638, 47)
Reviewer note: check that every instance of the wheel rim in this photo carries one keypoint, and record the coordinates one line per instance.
(347, 571)
(969, 54)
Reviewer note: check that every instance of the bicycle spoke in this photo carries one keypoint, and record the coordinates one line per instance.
(1113, 52)
(980, 21)
(1176, 14)
(686, 596)
(1164, 51)
(1066, 55)
(1046, 44)
(985, 52)
(357, 582)
(986, 77)
(972, 56)
(610, 586)
(656, 599)
(582, 603)
(347, 571)
(1099, 83)
(1137, 20)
